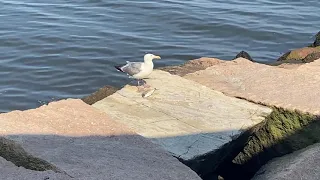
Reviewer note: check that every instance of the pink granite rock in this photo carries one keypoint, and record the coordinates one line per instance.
(191, 66)
(70, 117)
(292, 87)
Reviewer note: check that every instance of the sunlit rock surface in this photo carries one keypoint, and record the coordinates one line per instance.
(184, 117)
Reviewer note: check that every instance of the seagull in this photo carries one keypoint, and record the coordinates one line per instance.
(138, 70)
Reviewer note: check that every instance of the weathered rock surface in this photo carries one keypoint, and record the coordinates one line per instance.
(303, 164)
(292, 88)
(183, 116)
(83, 143)
(9, 171)
(70, 117)
(303, 55)
(311, 57)
(100, 94)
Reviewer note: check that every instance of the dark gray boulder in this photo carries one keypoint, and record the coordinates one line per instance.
(245, 55)
(303, 164)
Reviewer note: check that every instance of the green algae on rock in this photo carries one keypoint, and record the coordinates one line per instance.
(305, 54)
(100, 94)
(283, 132)
(311, 57)
(299, 54)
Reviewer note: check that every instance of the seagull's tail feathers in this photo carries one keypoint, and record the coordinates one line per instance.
(119, 68)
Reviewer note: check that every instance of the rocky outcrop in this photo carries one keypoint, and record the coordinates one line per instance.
(69, 139)
(244, 54)
(282, 132)
(317, 40)
(311, 57)
(303, 55)
(303, 164)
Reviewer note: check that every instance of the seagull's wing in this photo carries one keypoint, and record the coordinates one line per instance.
(131, 68)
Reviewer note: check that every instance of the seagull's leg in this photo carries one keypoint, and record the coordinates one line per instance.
(140, 88)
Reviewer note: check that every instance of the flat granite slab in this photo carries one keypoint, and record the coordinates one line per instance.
(83, 143)
(184, 117)
(286, 86)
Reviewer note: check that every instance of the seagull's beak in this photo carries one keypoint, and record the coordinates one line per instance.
(156, 57)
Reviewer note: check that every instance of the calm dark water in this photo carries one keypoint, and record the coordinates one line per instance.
(67, 48)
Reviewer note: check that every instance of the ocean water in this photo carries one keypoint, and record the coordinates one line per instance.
(51, 50)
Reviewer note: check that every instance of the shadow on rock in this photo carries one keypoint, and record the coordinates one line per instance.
(111, 157)
(282, 132)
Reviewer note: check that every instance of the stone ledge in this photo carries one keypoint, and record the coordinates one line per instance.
(184, 117)
(291, 88)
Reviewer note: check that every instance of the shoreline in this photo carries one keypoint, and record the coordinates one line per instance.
(242, 164)
(284, 130)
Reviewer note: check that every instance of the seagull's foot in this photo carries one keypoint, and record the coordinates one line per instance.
(143, 87)
(146, 85)
(140, 88)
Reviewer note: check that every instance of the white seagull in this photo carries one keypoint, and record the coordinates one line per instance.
(138, 70)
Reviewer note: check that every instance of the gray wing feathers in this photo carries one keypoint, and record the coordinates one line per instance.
(132, 68)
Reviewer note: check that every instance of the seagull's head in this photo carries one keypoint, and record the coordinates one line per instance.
(150, 57)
